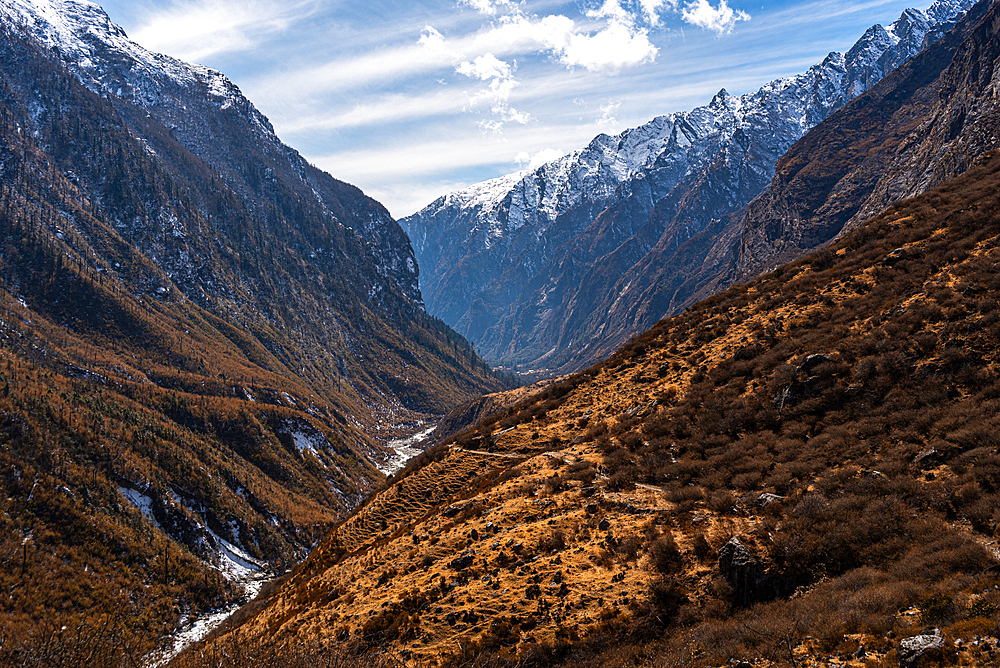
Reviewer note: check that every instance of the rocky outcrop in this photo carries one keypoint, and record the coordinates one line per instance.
(917, 650)
(742, 570)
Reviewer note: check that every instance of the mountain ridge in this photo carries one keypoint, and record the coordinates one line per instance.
(205, 342)
(507, 281)
(800, 469)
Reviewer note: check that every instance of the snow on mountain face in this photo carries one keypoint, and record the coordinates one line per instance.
(194, 102)
(484, 250)
(83, 35)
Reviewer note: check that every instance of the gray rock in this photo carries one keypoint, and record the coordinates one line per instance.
(741, 569)
(766, 499)
(911, 651)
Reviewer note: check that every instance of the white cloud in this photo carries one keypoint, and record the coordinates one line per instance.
(488, 7)
(194, 31)
(431, 38)
(532, 161)
(613, 11)
(651, 9)
(292, 90)
(486, 67)
(500, 76)
(608, 112)
(618, 45)
(721, 19)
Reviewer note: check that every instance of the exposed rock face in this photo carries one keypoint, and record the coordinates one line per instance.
(914, 651)
(557, 266)
(230, 217)
(741, 569)
(228, 321)
(925, 123)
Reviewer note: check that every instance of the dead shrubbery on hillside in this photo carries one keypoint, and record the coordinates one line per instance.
(857, 423)
(232, 652)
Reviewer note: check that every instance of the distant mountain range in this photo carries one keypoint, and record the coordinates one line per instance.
(551, 268)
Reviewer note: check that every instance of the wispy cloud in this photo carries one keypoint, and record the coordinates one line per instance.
(652, 9)
(489, 7)
(619, 42)
(499, 76)
(407, 177)
(608, 112)
(194, 31)
(384, 109)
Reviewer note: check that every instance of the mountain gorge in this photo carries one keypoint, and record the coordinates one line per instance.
(528, 266)
(800, 470)
(204, 340)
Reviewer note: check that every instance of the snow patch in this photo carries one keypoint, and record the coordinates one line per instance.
(232, 562)
(140, 501)
(193, 631)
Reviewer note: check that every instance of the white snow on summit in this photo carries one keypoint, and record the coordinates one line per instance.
(502, 205)
(82, 34)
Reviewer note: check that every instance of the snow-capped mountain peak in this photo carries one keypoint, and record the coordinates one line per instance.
(482, 247)
(85, 37)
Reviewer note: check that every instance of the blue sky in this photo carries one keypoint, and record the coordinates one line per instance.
(412, 99)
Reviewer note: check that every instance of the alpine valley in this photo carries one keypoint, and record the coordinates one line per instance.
(205, 342)
(800, 470)
(555, 268)
(208, 345)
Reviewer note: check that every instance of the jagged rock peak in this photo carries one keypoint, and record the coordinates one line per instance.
(84, 37)
(188, 99)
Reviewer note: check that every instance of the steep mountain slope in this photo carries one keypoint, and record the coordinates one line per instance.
(928, 123)
(800, 470)
(882, 146)
(517, 264)
(239, 222)
(201, 338)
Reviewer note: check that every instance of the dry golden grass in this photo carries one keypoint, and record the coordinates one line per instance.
(582, 526)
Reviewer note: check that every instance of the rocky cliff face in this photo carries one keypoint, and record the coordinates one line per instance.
(237, 221)
(927, 122)
(519, 264)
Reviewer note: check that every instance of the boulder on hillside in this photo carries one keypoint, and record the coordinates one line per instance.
(741, 569)
(919, 650)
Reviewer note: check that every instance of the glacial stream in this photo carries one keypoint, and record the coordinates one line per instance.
(240, 568)
(406, 449)
(194, 630)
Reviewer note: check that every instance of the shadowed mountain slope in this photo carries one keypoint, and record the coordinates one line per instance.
(894, 141)
(528, 266)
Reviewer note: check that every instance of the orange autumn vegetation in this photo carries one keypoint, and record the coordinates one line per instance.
(839, 417)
